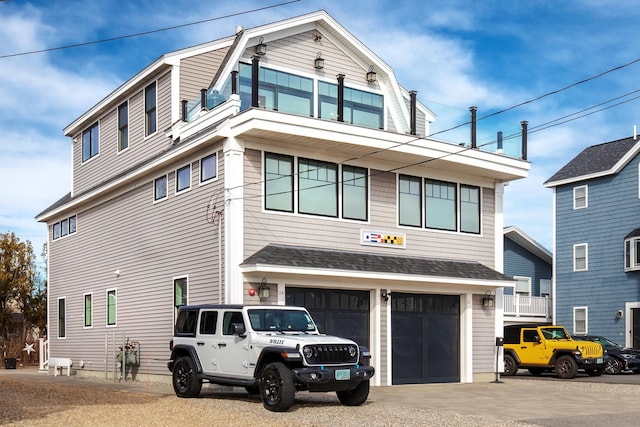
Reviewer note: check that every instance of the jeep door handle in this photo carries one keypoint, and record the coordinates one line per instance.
(222, 344)
(200, 343)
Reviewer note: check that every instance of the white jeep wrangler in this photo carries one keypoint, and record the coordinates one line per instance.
(271, 350)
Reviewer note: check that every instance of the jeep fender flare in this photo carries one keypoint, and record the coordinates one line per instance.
(512, 354)
(558, 353)
(182, 350)
(276, 354)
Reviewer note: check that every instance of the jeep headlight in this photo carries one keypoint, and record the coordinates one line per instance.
(307, 352)
(353, 350)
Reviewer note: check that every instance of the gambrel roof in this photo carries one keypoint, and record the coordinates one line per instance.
(598, 160)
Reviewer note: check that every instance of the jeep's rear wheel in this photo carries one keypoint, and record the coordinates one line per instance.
(185, 379)
(277, 389)
(613, 366)
(566, 367)
(510, 366)
(355, 397)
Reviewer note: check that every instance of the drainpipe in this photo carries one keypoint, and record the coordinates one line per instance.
(340, 78)
(254, 81)
(524, 124)
(500, 150)
(473, 126)
(184, 109)
(234, 82)
(413, 107)
(203, 99)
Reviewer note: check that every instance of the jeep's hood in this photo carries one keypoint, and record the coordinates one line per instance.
(293, 339)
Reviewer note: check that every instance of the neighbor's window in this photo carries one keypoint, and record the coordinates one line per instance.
(545, 287)
(150, 109)
(278, 182)
(180, 292)
(580, 320)
(317, 187)
(62, 317)
(160, 188)
(123, 126)
(90, 142)
(354, 193)
(580, 257)
(208, 167)
(523, 285)
(469, 209)
(88, 310)
(580, 197)
(440, 205)
(183, 178)
(111, 307)
(65, 227)
(632, 251)
(410, 200)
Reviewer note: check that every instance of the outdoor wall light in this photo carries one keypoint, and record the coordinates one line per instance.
(263, 291)
(488, 300)
(371, 75)
(385, 295)
(319, 62)
(261, 48)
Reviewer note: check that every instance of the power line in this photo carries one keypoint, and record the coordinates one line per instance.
(144, 33)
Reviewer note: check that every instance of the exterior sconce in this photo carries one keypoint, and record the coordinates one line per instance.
(488, 300)
(261, 48)
(619, 314)
(319, 62)
(263, 291)
(371, 75)
(385, 295)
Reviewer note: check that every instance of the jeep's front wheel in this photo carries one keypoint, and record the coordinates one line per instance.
(566, 367)
(510, 366)
(185, 379)
(355, 397)
(277, 389)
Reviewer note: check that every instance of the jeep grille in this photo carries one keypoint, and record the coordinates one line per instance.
(333, 354)
(590, 350)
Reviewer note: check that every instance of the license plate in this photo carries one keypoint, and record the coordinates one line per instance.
(343, 374)
(600, 361)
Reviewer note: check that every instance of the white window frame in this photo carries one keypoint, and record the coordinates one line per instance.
(586, 320)
(630, 254)
(84, 310)
(115, 323)
(576, 197)
(173, 282)
(548, 281)
(586, 256)
(523, 279)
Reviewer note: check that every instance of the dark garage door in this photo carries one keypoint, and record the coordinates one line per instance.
(336, 312)
(425, 332)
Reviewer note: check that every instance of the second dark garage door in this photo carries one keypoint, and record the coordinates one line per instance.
(425, 332)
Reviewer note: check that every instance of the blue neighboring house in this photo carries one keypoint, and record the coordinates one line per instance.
(530, 264)
(597, 242)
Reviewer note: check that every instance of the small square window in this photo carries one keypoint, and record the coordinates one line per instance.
(160, 188)
(183, 178)
(208, 167)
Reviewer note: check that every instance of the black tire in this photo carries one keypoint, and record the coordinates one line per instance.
(536, 372)
(277, 389)
(510, 365)
(355, 397)
(185, 379)
(612, 366)
(566, 367)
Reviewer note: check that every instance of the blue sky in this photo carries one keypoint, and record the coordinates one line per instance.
(492, 54)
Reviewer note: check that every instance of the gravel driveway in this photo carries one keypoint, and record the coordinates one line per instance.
(26, 401)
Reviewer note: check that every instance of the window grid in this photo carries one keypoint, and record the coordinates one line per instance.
(580, 197)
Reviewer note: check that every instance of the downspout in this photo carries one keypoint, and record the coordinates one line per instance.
(473, 126)
(254, 81)
(340, 78)
(413, 107)
(524, 124)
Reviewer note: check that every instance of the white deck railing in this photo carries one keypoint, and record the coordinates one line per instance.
(526, 306)
(44, 355)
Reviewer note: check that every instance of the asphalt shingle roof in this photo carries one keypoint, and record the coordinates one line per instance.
(594, 159)
(305, 257)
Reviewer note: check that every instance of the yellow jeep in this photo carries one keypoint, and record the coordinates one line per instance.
(540, 348)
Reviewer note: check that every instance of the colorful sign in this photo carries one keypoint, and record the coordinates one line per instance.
(383, 238)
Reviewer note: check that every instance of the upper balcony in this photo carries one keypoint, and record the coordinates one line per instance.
(522, 308)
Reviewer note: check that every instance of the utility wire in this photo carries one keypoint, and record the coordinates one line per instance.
(144, 33)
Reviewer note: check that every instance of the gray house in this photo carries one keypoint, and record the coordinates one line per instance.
(597, 241)
(284, 164)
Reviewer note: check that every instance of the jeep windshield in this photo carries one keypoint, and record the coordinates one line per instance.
(263, 320)
(555, 334)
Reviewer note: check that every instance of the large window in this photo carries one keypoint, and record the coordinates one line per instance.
(160, 188)
(317, 187)
(150, 109)
(632, 251)
(580, 320)
(278, 182)
(469, 209)
(580, 257)
(580, 197)
(62, 317)
(183, 178)
(410, 200)
(360, 107)
(440, 205)
(112, 307)
(123, 126)
(354, 193)
(90, 142)
(208, 167)
(88, 310)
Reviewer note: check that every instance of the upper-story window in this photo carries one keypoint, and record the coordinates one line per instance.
(360, 107)
(208, 168)
(90, 142)
(278, 171)
(354, 192)
(150, 109)
(160, 188)
(183, 178)
(581, 257)
(632, 251)
(447, 205)
(123, 126)
(523, 285)
(317, 187)
(580, 197)
(64, 228)
(580, 320)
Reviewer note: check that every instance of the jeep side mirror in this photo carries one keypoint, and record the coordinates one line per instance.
(238, 329)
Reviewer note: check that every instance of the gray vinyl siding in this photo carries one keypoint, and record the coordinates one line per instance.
(520, 262)
(611, 215)
(150, 244)
(197, 73)
(484, 341)
(306, 230)
(109, 162)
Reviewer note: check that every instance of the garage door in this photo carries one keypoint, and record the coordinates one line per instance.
(336, 312)
(425, 332)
